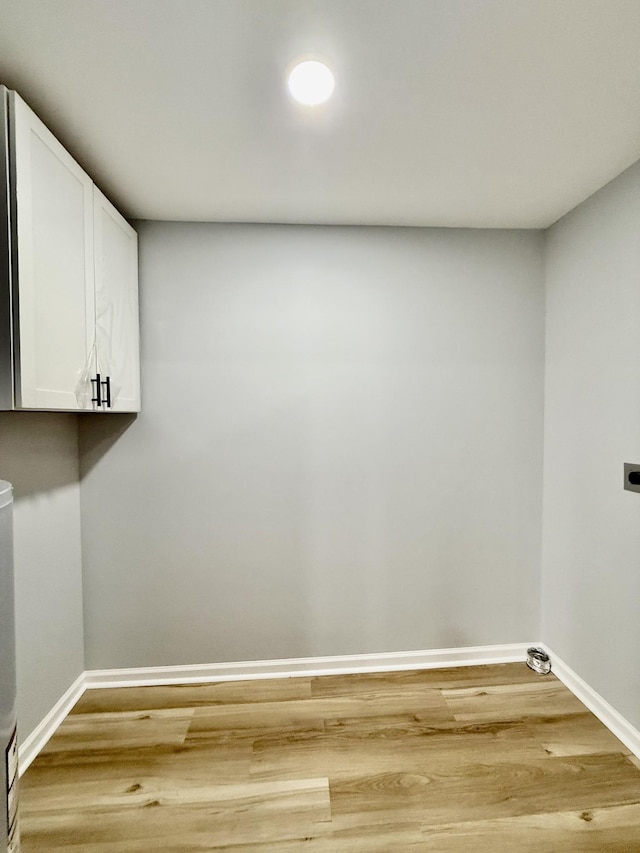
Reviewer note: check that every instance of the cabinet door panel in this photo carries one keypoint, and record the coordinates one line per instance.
(117, 324)
(55, 266)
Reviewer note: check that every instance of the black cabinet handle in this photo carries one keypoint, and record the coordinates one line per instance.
(102, 396)
(107, 398)
(98, 397)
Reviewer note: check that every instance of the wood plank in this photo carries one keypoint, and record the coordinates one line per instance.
(228, 762)
(542, 698)
(616, 828)
(430, 679)
(247, 813)
(104, 795)
(310, 715)
(482, 791)
(414, 747)
(379, 839)
(254, 719)
(573, 734)
(109, 699)
(95, 731)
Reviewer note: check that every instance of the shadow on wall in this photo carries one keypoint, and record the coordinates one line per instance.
(97, 434)
(37, 451)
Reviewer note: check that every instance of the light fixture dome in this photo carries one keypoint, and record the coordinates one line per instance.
(311, 82)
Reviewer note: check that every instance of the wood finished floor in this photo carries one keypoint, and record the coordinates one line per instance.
(493, 758)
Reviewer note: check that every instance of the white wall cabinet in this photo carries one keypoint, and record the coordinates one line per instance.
(70, 278)
(117, 345)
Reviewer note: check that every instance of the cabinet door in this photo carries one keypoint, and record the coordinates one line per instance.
(117, 323)
(54, 235)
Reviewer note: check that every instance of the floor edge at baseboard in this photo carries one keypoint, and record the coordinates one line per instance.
(606, 713)
(248, 670)
(332, 665)
(37, 739)
(292, 667)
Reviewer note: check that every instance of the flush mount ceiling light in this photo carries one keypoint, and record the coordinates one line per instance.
(311, 82)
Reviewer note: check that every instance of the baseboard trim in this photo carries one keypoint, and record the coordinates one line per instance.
(34, 743)
(606, 713)
(289, 668)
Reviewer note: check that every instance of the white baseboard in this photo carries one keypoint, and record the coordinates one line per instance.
(606, 713)
(288, 668)
(41, 734)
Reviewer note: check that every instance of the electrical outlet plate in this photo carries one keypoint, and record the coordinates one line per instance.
(631, 477)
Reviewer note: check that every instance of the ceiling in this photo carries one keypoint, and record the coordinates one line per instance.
(478, 113)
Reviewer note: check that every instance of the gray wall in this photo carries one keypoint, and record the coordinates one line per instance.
(591, 581)
(340, 449)
(39, 455)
